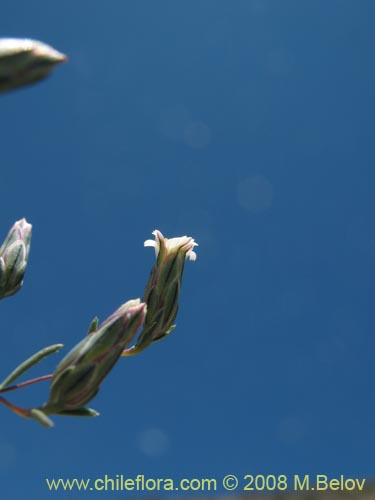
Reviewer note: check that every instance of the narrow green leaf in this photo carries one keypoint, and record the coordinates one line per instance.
(79, 412)
(26, 365)
(41, 417)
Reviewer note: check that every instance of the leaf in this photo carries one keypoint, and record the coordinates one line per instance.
(26, 365)
(79, 412)
(41, 417)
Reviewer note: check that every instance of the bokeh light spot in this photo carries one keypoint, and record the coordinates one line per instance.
(255, 193)
(153, 442)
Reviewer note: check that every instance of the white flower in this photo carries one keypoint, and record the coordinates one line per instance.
(182, 243)
(163, 288)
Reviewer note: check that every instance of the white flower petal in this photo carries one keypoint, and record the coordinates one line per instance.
(159, 238)
(149, 243)
(158, 235)
(191, 255)
(181, 243)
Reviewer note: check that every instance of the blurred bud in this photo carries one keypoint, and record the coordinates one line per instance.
(163, 288)
(14, 253)
(79, 375)
(24, 61)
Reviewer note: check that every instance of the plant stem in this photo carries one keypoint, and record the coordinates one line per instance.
(19, 411)
(26, 383)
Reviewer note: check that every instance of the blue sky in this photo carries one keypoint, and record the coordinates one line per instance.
(249, 126)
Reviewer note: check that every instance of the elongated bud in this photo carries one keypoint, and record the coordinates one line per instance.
(14, 253)
(163, 288)
(78, 377)
(24, 61)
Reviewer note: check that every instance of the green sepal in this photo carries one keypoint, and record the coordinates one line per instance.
(3, 274)
(79, 412)
(163, 335)
(72, 379)
(93, 325)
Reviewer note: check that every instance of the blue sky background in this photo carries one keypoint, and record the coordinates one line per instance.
(248, 125)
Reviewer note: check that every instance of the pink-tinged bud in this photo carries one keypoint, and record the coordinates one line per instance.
(14, 253)
(78, 377)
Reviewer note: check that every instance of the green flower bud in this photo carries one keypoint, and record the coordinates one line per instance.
(24, 61)
(14, 253)
(163, 288)
(78, 377)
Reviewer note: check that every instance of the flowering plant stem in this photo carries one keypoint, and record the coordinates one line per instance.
(22, 412)
(26, 412)
(26, 383)
(78, 377)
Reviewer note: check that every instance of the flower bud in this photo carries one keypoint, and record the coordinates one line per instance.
(24, 61)
(163, 288)
(14, 253)
(79, 375)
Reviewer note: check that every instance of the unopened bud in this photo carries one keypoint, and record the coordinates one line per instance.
(78, 377)
(24, 61)
(14, 253)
